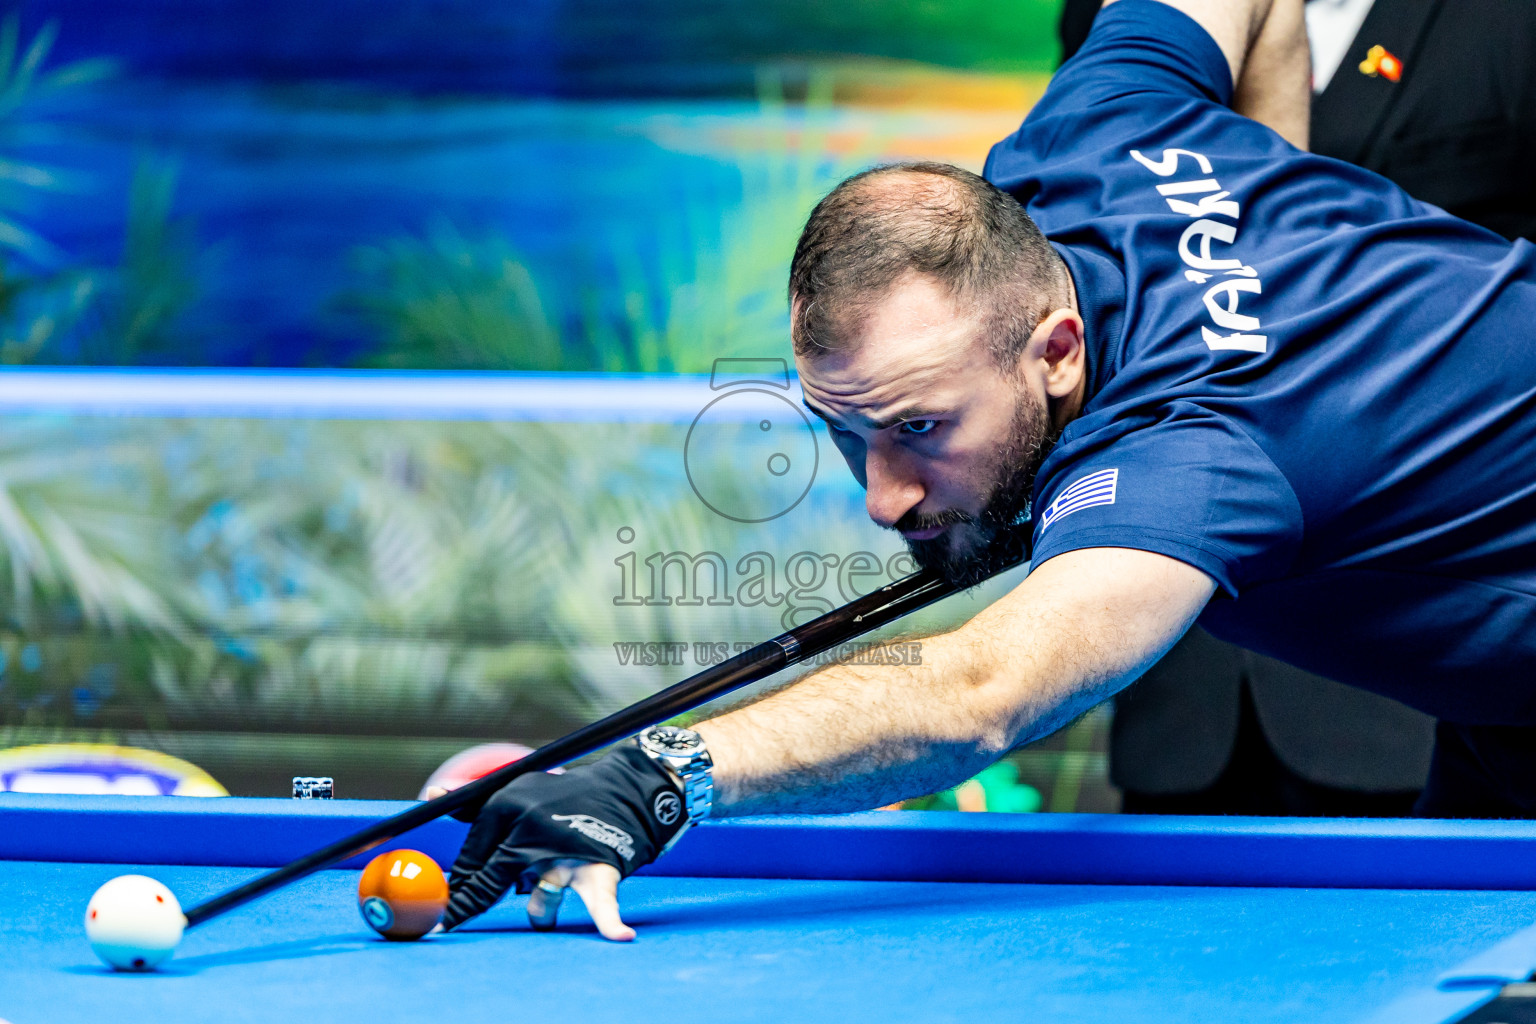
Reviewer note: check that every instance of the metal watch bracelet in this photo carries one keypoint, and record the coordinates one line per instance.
(683, 754)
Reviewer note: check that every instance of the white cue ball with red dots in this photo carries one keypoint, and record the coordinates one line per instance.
(134, 923)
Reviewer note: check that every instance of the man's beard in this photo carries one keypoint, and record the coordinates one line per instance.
(976, 547)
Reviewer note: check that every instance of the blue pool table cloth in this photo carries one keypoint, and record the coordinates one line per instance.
(899, 916)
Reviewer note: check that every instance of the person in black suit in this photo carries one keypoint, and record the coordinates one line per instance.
(1440, 97)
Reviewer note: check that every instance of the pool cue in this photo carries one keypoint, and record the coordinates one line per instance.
(837, 627)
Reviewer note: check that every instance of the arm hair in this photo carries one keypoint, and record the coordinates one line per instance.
(850, 737)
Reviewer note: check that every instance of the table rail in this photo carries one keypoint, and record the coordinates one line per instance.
(892, 846)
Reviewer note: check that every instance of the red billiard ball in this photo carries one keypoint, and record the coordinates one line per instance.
(402, 894)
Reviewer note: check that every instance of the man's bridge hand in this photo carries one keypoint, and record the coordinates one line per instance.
(586, 830)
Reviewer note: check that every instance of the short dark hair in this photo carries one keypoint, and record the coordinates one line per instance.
(929, 218)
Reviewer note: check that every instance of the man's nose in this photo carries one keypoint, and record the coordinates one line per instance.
(891, 489)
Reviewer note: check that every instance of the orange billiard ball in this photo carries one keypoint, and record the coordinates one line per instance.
(402, 894)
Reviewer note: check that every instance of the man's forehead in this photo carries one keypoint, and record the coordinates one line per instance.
(913, 341)
(879, 392)
(867, 395)
(918, 308)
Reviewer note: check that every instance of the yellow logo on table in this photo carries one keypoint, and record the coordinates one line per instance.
(101, 769)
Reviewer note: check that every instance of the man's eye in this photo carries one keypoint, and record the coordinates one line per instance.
(919, 426)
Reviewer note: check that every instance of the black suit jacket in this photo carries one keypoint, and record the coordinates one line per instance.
(1458, 130)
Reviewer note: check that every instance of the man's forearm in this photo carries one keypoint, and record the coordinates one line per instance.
(1265, 43)
(852, 737)
(1235, 25)
(1275, 87)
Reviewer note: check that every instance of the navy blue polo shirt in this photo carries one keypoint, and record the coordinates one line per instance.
(1304, 382)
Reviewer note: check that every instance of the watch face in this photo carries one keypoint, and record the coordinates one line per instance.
(671, 741)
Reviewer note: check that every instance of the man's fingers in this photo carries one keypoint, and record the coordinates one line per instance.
(598, 887)
(544, 901)
(596, 884)
(481, 846)
(472, 894)
(478, 848)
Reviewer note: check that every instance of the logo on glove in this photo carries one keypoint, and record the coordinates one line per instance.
(601, 832)
(667, 807)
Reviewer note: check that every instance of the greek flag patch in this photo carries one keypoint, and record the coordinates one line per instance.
(1093, 489)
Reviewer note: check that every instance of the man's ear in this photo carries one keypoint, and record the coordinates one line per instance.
(1057, 342)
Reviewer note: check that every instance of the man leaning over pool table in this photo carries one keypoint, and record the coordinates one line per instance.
(1231, 380)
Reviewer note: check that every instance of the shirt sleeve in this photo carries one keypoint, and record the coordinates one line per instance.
(1183, 482)
(1142, 60)
(1139, 46)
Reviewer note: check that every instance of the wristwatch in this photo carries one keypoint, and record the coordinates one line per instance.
(682, 752)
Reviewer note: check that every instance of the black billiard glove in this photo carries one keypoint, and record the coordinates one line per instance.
(621, 810)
